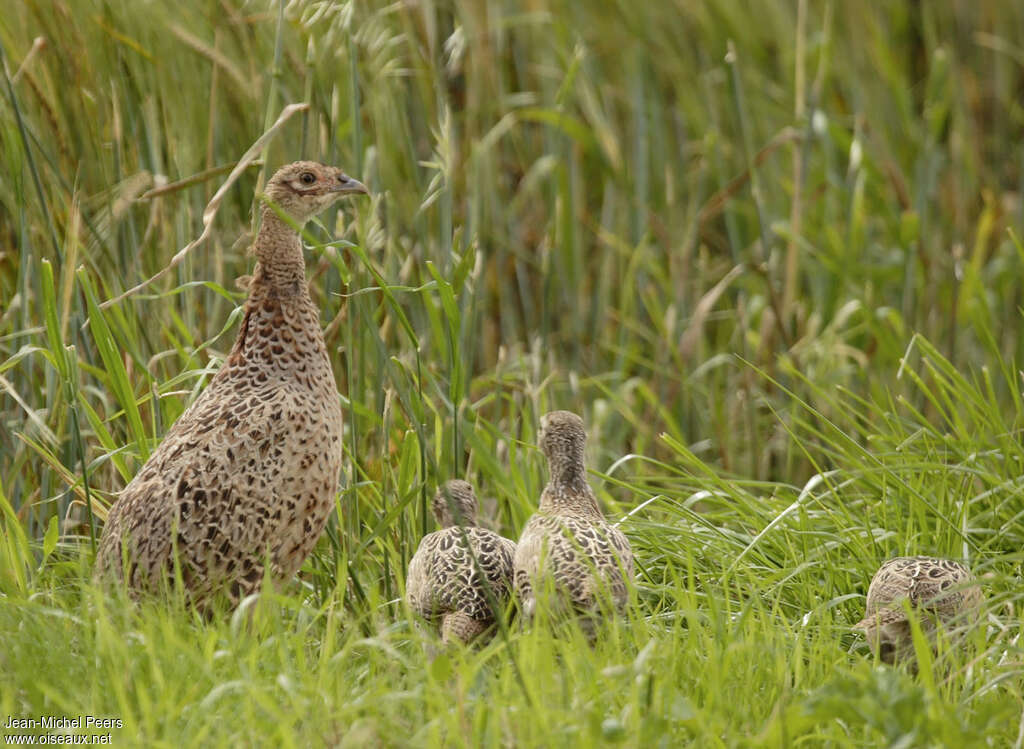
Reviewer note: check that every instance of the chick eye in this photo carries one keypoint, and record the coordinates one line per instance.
(308, 178)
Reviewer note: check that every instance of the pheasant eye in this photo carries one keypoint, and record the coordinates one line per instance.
(307, 178)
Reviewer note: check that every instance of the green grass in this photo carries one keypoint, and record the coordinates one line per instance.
(776, 265)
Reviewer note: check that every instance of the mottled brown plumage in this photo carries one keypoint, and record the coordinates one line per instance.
(568, 542)
(461, 573)
(249, 471)
(940, 590)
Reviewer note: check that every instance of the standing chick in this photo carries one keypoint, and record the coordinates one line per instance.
(568, 541)
(460, 572)
(249, 471)
(940, 587)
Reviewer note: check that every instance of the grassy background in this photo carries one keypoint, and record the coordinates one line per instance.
(773, 257)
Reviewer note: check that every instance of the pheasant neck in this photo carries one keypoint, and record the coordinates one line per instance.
(279, 251)
(569, 473)
(568, 490)
(464, 520)
(280, 331)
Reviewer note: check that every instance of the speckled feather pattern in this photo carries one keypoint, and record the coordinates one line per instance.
(941, 587)
(249, 471)
(582, 556)
(445, 585)
(568, 540)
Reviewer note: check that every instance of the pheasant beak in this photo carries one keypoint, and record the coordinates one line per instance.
(346, 185)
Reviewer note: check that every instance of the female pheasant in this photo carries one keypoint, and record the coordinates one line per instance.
(942, 588)
(247, 476)
(568, 542)
(460, 573)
